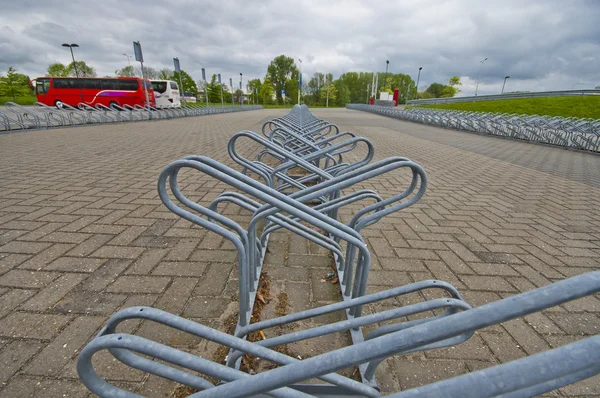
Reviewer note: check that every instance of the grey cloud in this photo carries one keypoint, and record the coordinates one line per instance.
(540, 44)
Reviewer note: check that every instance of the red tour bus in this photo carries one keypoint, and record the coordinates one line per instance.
(56, 91)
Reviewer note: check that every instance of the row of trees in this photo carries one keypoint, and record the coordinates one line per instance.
(15, 84)
(282, 78)
(351, 87)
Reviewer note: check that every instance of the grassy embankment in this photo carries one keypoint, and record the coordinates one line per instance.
(581, 107)
(20, 100)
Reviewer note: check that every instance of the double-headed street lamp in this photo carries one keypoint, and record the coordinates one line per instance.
(72, 56)
(387, 62)
(300, 81)
(128, 58)
(479, 77)
(242, 95)
(504, 84)
(418, 78)
(74, 64)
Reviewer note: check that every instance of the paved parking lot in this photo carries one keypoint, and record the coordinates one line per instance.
(83, 234)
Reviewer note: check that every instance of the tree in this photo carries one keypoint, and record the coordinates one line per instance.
(165, 74)
(254, 86)
(128, 71)
(265, 92)
(435, 90)
(189, 85)
(56, 69)
(15, 84)
(328, 88)
(83, 69)
(214, 90)
(238, 95)
(281, 70)
(291, 91)
(343, 92)
(451, 89)
(151, 73)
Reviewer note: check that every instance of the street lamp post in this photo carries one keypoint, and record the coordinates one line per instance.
(220, 84)
(241, 96)
(387, 62)
(504, 84)
(479, 77)
(300, 81)
(368, 93)
(232, 92)
(128, 58)
(418, 78)
(74, 64)
(327, 88)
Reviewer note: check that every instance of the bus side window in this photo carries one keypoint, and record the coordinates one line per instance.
(174, 86)
(93, 84)
(108, 84)
(60, 83)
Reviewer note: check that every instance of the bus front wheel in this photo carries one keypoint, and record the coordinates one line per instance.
(59, 104)
(111, 103)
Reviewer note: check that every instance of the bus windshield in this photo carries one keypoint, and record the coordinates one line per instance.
(42, 85)
(159, 87)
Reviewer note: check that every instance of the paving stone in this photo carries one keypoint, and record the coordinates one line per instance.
(214, 280)
(83, 302)
(32, 326)
(45, 257)
(24, 247)
(118, 252)
(90, 245)
(526, 336)
(127, 236)
(185, 247)
(105, 275)
(139, 284)
(173, 268)
(10, 261)
(65, 346)
(206, 307)
(11, 300)
(33, 387)
(14, 355)
(27, 279)
(297, 260)
(474, 348)
(577, 324)
(147, 261)
(75, 264)
(415, 373)
(487, 283)
(52, 293)
(504, 347)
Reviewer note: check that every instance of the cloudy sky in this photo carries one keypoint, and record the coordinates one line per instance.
(541, 44)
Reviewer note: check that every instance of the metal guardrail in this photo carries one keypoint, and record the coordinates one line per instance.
(493, 97)
(40, 116)
(567, 132)
(300, 140)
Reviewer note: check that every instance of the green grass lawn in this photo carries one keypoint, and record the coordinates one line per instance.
(582, 107)
(20, 100)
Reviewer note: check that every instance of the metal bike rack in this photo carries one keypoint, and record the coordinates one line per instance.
(525, 377)
(17, 117)
(278, 200)
(567, 132)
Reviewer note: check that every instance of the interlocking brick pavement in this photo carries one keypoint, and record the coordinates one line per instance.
(83, 234)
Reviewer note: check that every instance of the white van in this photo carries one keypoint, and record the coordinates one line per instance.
(166, 93)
